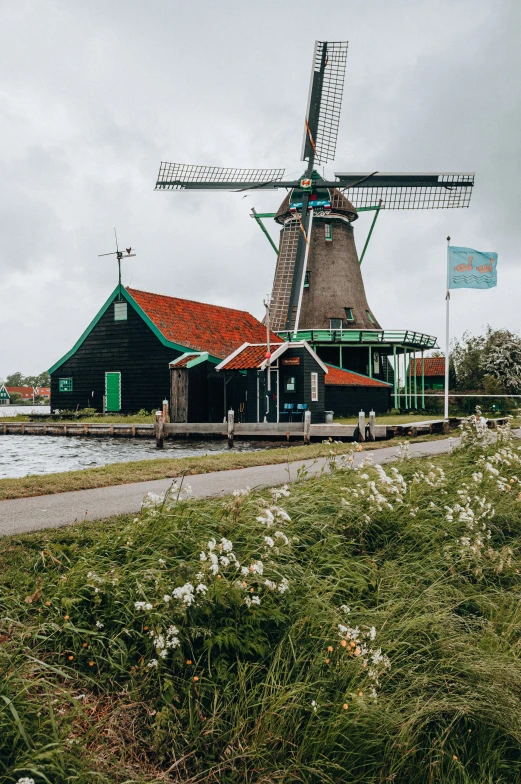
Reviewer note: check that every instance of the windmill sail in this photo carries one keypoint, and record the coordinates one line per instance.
(403, 191)
(325, 100)
(177, 176)
(284, 272)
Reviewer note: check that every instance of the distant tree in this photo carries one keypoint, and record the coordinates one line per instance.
(19, 380)
(15, 380)
(489, 363)
(501, 359)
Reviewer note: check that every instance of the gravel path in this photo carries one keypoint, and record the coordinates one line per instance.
(21, 515)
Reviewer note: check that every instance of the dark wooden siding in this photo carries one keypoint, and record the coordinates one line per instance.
(348, 401)
(128, 347)
(302, 373)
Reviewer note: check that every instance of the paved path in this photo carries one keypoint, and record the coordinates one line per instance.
(52, 511)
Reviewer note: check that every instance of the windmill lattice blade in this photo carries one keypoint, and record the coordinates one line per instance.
(175, 176)
(284, 272)
(331, 97)
(409, 191)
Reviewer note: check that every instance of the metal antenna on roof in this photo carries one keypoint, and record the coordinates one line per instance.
(119, 255)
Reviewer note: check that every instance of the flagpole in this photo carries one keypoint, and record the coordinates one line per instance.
(447, 300)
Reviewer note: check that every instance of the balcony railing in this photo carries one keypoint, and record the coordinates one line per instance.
(401, 337)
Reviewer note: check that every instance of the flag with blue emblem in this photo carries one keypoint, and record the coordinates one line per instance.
(471, 269)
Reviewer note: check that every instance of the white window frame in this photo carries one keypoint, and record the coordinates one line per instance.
(120, 307)
(314, 387)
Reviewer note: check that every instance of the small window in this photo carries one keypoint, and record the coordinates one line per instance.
(65, 385)
(328, 229)
(306, 280)
(349, 314)
(336, 323)
(371, 319)
(376, 363)
(314, 387)
(120, 311)
(290, 384)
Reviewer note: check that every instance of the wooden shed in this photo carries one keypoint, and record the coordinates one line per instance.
(275, 385)
(121, 362)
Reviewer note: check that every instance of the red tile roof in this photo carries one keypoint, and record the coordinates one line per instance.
(183, 361)
(434, 366)
(347, 378)
(25, 392)
(250, 357)
(200, 326)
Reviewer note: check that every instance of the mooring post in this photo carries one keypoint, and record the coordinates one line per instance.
(159, 428)
(307, 427)
(231, 417)
(372, 426)
(166, 415)
(361, 426)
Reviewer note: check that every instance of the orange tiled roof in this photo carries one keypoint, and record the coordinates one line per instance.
(250, 357)
(434, 366)
(25, 392)
(183, 362)
(347, 378)
(200, 326)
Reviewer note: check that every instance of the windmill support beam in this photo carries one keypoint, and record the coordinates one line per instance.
(377, 212)
(258, 219)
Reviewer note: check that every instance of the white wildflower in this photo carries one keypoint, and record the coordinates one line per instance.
(225, 545)
(166, 598)
(345, 609)
(201, 588)
(225, 561)
(152, 663)
(202, 556)
(269, 541)
(314, 705)
(272, 586)
(142, 605)
(99, 624)
(257, 567)
(245, 571)
(280, 535)
(283, 585)
(184, 593)
(211, 544)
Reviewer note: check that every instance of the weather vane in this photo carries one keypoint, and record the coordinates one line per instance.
(119, 255)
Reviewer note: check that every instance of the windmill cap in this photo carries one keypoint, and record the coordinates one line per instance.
(339, 204)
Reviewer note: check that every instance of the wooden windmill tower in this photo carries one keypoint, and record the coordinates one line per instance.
(318, 283)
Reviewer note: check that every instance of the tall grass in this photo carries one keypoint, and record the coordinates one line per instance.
(373, 636)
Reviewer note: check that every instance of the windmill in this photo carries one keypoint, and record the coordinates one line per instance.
(318, 284)
(311, 197)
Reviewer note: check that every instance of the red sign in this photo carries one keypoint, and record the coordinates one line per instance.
(291, 361)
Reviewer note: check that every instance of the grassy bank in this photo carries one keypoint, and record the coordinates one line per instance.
(165, 468)
(358, 627)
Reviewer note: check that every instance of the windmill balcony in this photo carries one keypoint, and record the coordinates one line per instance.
(377, 337)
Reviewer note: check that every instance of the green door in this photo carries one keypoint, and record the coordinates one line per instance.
(113, 391)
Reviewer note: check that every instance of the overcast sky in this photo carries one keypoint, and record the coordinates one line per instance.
(94, 93)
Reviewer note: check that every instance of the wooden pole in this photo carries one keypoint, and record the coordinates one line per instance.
(166, 416)
(307, 427)
(361, 426)
(372, 426)
(231, 416)
(159, 430)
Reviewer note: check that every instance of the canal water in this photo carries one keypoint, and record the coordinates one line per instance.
(24, 455)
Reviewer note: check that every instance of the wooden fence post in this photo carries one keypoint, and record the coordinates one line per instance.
(159, 428)
(307, 427)
(231, 417)
(166, 416)
(361, 426)
(372, 426)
